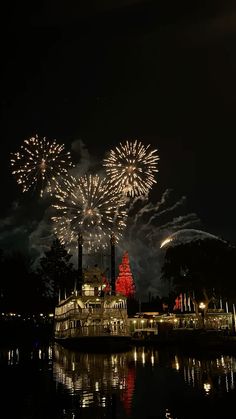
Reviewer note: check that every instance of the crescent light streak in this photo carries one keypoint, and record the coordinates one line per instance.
(188, 235)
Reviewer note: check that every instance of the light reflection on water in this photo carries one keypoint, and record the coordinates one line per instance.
(93, 377)
(141, 383)
(215, 375)
(96, 379)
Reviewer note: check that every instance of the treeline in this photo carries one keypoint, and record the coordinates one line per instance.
(205, 270)
(24, 289)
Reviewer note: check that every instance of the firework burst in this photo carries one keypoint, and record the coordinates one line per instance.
(91, 206)
(131, 168)
(38, 164)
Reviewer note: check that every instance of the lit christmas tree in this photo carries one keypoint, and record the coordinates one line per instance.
(125, 283)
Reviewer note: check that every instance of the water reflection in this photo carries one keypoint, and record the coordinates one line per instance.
(142, 383)
(214, 376)
(15, 355)
(99, 380)
(102, 381)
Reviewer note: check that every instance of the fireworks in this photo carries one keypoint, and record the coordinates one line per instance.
(165, 242)
(148, 225)
(131, 168)
(88, 205)
(38, 164)
(184, 236)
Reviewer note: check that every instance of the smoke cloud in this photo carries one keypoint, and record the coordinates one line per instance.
(28, 227)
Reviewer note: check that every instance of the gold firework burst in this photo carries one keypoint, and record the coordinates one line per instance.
(39, 163)
(131, 167)
(91, 206)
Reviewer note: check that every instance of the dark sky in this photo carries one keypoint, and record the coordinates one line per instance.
(163, 72)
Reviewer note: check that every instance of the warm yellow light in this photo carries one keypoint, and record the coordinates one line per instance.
(207, 387)
(131, 167)
(202, 305)
(166, 241)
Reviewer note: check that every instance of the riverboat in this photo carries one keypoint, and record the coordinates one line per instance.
(93, 315)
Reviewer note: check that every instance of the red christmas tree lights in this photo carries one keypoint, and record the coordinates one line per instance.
(125, 283)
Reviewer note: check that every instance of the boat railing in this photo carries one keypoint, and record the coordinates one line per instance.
(91, 331)
(83, 313)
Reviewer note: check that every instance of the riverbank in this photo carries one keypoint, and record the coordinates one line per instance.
(190, 338)
(24, 331)
(19, 332)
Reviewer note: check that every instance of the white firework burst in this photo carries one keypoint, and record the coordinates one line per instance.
(131, 168)
(39, 163)
(90, 206)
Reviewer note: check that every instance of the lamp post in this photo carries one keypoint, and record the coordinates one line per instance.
(202, 307)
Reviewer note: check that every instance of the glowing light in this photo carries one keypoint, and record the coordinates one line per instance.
(131, 168)
(176, 363)
(152, 359)
(166, 241)
(207, 387)
(38, 164)
(143, 357)
(91, 206)
(202, 305)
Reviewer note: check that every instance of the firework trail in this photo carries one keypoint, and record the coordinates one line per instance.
(148, 224)
(91, 206)
(188, 235)
(39, 163)
(131, 167)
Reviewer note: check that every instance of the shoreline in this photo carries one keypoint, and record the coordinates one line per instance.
(22, 334)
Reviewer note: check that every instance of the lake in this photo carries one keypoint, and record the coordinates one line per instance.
(48, 381)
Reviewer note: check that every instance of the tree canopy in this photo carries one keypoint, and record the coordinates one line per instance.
(203, 267)
(20, 286)
(56, 271)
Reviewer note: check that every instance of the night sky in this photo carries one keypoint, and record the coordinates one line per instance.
(163, 72)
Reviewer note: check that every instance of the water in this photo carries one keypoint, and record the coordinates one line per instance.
(52, 382)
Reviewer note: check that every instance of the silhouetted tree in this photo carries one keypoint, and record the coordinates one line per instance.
(56, 271)
(203, 268)
(19, 285)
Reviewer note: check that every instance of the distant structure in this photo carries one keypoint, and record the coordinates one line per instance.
(125, 284)
(94, 314)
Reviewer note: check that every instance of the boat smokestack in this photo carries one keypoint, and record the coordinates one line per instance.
(80, 262)
(113, 270)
